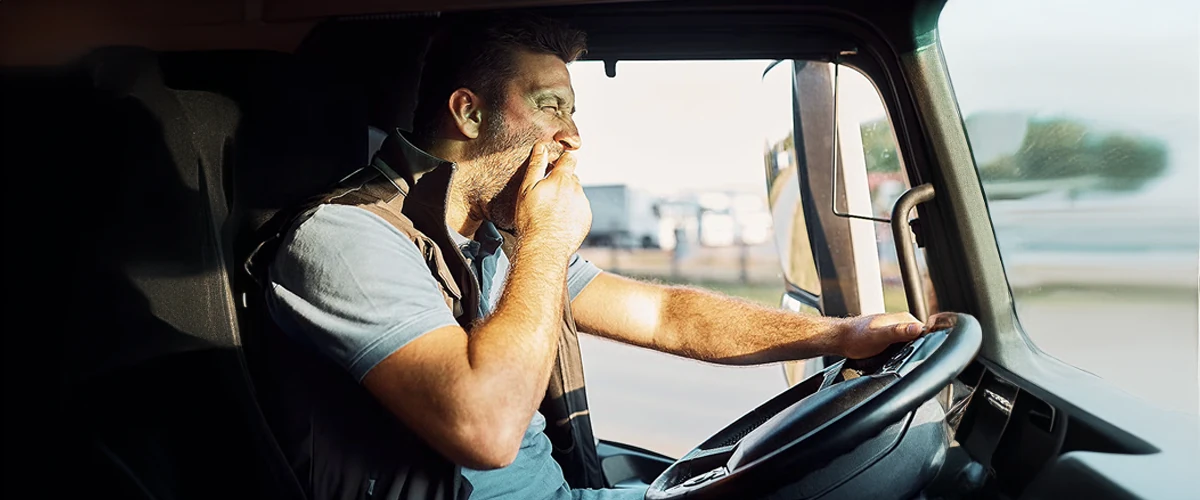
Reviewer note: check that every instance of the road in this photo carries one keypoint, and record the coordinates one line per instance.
(1142, 342)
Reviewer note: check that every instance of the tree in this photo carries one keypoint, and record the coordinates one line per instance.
(1003, 168)
(1054, 149)
(879, 146)
(1067, 149)
(1126, 163)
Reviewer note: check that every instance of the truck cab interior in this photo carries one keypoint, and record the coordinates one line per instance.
(181, 129)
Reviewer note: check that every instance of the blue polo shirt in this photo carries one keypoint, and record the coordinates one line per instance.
(351, 286)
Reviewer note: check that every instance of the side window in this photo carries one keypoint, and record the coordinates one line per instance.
(854, 184)
(672, 165)
(1089, 160)
(853, 189)
(870, 154)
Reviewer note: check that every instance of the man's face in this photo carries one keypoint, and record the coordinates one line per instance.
(536, 106)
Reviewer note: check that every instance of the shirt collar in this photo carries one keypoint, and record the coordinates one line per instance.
(487, 237)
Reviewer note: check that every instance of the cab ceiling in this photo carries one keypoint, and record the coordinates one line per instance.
(51, 32)
(48, 32)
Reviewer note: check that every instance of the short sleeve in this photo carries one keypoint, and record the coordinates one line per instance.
(580, 273)
(352, 286)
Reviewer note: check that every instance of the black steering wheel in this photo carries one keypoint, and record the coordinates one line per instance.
(821, 418)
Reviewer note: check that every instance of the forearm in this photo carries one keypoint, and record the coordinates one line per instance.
(512, 351)
(709, 327)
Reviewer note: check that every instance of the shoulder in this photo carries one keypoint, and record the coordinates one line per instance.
(338, 242)
(347, 282)
(340, 220)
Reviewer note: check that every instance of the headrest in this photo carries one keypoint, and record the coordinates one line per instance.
(299, 131)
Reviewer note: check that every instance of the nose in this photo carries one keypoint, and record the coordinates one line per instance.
(568, 136)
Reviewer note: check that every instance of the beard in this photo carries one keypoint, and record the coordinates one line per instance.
(498, 168)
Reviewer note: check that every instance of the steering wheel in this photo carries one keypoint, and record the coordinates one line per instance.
(821, 418)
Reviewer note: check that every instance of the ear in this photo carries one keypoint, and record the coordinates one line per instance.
(466, 112)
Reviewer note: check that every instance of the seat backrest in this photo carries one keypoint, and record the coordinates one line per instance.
(298, 131)
(121, 213)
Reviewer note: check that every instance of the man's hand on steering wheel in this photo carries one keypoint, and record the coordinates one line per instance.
(816, 422)
(865, 336)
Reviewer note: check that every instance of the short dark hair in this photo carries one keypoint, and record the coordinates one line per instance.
(477, 52)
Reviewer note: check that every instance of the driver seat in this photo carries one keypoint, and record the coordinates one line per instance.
(133, 383)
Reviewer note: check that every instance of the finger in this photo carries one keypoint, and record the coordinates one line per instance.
(906, 331)
(940, 321)
(565, 166)
(536, 171)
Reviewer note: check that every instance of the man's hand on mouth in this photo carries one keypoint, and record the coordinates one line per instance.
(553, 157)
(551, 206)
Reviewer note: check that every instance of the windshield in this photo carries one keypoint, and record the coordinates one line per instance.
(1083, 120)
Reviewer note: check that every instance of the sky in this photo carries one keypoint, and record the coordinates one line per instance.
(1120, 65)
(664, 126)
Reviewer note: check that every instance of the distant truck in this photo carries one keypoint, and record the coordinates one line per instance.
(622, 217)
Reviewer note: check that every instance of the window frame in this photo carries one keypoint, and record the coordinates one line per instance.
(965, 270)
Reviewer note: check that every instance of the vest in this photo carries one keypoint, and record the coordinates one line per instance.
(340, 441)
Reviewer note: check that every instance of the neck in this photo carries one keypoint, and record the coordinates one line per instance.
(462, 212)
(464, 202)
(460, 215)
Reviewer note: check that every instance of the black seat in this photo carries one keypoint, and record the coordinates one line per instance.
(125, 197)
(137, 356)
(298, 132)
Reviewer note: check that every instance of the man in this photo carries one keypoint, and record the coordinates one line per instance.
(369, 283)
